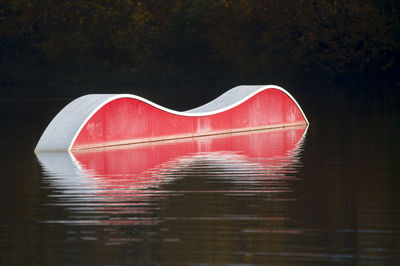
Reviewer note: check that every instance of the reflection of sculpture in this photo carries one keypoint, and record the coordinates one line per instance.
(100, 120)
(132, 170)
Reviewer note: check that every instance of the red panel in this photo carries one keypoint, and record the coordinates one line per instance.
(127, 120)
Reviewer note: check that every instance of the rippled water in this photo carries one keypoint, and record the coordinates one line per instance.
(325, 195)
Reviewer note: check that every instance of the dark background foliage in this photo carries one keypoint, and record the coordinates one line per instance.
(203, 42)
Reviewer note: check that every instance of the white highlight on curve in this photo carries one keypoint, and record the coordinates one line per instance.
(69, 122)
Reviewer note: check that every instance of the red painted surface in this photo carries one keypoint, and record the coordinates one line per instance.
(142, 166)
(127, 120)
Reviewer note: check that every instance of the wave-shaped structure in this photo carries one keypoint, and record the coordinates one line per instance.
(99, 120)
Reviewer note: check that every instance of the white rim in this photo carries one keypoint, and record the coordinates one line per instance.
(131, 96)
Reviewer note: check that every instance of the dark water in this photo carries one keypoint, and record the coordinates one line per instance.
(325, 195)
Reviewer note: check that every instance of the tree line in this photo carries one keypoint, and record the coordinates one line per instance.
(190, 37)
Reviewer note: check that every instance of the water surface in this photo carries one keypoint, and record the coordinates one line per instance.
(325, 195)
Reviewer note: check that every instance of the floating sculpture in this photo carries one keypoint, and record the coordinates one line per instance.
(100, 120)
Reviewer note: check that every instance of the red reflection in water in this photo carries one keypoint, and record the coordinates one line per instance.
(142, 166)
(120, 182)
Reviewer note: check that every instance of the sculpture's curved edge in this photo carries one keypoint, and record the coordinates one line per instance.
(59, 133)
(72, 118)
(288, 94)
(254, 90)
(236, 99)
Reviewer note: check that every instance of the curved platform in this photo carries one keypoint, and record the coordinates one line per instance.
(99, 120)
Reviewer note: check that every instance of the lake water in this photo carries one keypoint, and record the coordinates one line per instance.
(323, 195)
